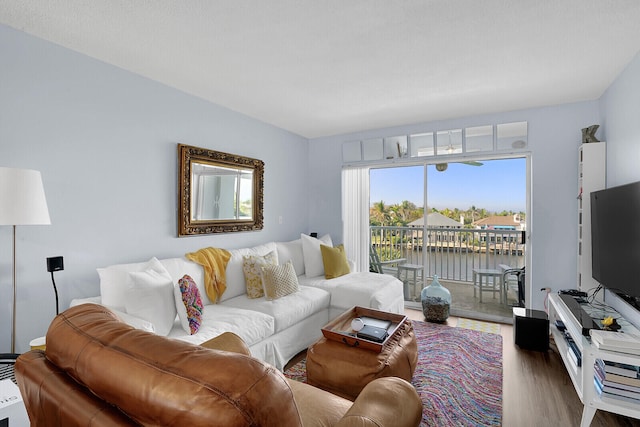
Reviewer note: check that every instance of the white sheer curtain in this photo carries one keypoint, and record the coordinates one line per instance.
(355, 215)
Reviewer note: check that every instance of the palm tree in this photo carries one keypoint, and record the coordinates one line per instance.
(379, 213)
(404, 211)
(473, 212)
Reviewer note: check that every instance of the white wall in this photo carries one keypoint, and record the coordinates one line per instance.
(554, 138)
(105, 142)
(620, 106)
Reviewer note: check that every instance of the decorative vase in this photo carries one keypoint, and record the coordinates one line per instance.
(436, 301)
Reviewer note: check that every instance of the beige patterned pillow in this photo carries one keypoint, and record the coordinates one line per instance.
(279, 280)
(252, 267)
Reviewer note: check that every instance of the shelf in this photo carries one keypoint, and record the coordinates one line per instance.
(561, 312)
(563, 348)
(582, 377)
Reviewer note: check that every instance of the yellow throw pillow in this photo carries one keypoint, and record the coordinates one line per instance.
(252, 268)
(335, 261)
(279, 280)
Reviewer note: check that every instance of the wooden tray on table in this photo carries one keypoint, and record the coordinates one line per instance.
(339, 329)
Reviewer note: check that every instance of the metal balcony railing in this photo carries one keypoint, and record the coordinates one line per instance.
(450, 253)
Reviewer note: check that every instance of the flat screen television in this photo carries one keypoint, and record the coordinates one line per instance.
(615, 240)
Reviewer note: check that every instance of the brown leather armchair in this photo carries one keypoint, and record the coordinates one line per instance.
(99, 371)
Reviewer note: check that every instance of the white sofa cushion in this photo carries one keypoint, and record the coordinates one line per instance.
(292, 251)
(178, 267)
(150, 297)
(313, 265)
(288, 310)
(134, 321)
(251, 326)
(236, 284)
(372, 290)
(115, 281)
(130, 320)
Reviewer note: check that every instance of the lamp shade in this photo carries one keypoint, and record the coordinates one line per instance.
(22, 199)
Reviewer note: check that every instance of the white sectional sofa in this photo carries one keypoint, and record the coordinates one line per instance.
(275, 330)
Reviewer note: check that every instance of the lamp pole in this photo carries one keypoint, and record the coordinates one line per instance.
(13, 311)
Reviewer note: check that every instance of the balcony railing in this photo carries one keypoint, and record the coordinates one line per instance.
(450, 253)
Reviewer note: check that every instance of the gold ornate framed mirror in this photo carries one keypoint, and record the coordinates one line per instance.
(218, 192)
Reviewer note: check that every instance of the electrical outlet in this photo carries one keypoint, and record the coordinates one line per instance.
(55, 263)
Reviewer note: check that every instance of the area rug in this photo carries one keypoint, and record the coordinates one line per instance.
(478, 325)
(458, 376)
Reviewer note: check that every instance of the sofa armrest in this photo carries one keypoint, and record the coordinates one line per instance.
(78, 301)
(52, 397)
(228, 341)
(384, 402)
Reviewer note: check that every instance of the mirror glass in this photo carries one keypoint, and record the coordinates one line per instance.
(422, 145)
(218, 192)
(479, 138)
(512, 135)
(449, 142)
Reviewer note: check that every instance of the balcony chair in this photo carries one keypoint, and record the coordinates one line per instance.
(384, 267)
(513, 278)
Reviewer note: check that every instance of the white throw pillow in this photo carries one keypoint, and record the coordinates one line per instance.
(150, 297)
(115, 281)
(178, 267)
(313, 265)
(292, 251)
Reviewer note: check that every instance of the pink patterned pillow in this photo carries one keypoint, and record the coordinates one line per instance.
(188, 304)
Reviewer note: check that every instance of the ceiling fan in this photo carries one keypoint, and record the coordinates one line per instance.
(441, 167)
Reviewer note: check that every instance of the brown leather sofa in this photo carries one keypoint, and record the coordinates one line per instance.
(98, 371)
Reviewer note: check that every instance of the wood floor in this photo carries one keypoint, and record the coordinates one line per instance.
(537, 390)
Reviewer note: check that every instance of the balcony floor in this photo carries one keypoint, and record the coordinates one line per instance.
(464, 304)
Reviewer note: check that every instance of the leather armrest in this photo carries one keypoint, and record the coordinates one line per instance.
(384, 402)
(228, 341)
(53, 398)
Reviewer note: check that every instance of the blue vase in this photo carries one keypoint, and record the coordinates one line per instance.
(436, 301)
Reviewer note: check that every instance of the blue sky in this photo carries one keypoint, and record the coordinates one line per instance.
(497, 185)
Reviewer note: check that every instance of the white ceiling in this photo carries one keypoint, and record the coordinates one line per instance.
(326, 67)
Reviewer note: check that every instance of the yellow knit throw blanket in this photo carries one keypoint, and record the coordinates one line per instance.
(214, 261)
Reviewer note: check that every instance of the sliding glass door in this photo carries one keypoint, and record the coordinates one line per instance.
(453, 220)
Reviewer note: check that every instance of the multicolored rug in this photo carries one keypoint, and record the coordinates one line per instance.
(458, 376)
(478, 325)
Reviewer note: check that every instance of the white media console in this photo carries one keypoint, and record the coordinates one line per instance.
(582, 376)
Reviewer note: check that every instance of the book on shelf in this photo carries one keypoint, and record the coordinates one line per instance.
(616, 341)
(615, 399)
(624, 369)
(599, 371)
(602, 389)
(572, 361)
(606, 381)
(574, 352)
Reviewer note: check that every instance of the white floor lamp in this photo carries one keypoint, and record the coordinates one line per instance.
(22, 202)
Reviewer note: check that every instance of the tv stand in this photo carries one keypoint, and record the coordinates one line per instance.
(632, 301)
(582, 376)
(580, 314)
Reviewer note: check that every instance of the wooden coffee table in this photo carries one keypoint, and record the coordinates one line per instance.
(344, 365)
